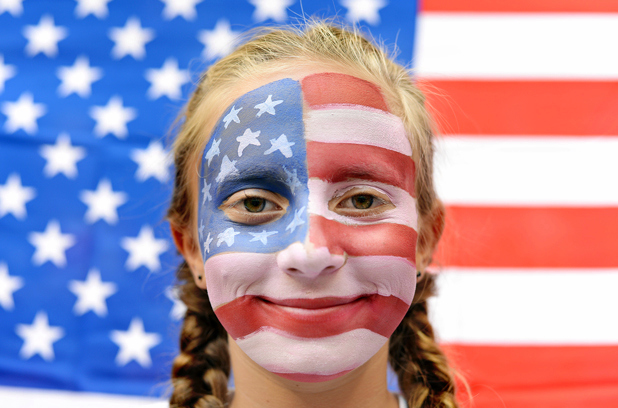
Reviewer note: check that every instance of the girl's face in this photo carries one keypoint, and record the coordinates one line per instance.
(307, 224)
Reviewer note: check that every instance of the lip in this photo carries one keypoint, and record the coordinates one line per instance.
(314, 304)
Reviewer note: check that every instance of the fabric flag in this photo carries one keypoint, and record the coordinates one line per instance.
(526, 95)
(88, 91)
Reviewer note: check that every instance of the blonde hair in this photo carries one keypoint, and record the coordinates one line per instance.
(200, 372)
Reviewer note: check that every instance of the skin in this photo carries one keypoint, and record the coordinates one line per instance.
(365, 386)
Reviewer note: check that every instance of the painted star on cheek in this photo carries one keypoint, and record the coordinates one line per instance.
(207, 243)
(206, 193)
(297, 221)
(248, 138)
(213, 151)
(232, 116)
(227, 236)
(227, 167)
(281, 144)
(262, 236)
(267, 106)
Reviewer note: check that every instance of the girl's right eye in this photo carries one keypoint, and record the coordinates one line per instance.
(254, 207)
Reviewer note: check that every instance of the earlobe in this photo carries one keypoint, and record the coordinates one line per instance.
(188, 247)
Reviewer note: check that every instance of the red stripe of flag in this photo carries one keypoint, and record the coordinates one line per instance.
(530, 6)
(514, 237)
(578, 108)
(537, 376)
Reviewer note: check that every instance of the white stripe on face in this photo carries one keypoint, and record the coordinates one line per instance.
(321, 192)
(278, 352)
(357, 124)
(232, 275)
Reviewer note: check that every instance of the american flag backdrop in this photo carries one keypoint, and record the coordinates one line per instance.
(526, 95)
(88, 91)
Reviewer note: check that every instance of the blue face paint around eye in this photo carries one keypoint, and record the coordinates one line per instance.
(258, 144)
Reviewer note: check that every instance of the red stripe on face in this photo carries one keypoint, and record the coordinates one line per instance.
(336, 162)
(363, 240)
(330, 88)
(247, 314)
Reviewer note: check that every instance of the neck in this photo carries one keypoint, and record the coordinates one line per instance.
(256, 387)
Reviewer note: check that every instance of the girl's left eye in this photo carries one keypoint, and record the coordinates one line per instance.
(255, 204)
(359, 202)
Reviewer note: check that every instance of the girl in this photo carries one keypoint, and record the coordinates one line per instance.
(305, 211)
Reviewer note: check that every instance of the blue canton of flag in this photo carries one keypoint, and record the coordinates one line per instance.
(88, 90)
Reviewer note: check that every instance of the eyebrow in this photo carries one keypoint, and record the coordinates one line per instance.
(256, 175)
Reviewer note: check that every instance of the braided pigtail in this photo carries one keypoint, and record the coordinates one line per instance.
(200, 372)
(421, 367)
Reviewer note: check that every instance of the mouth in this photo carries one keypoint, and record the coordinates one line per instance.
(315, 304)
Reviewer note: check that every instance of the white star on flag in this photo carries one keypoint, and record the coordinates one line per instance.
(23, 114)
(207, 243)
(218, 42)
(14, 196)
(96, 7)
(78, 78)
(62, 157)
(213, 151)
(364, 10)
(167, 81)
(112, 118)
(144, 250)
(134, 344)
(227, 167)
(292, 180)
(39, 337)
(6, 72)
(267, 106)
(179, 309)
(91, 294)
(297, 221)
(102, 203)
(44, 37)
(281, 144)
(206, 193)
(8, 285)
(248, 138)
(227, 236)
(262, 236)
(131, 39)
(274, 9)
(12, 6)
(232, 116)
(153, 161)
(184, 8)
(51, 245)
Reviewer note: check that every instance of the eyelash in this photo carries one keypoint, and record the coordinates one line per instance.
(235, 207)
(379, 203)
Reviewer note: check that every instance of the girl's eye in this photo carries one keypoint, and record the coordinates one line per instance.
(359, 202)
(255, 204)
(362, 201)
(254, 207)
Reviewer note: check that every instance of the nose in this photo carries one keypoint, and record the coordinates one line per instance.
(306, 261)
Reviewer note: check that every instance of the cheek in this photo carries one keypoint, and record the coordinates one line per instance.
(363, 240)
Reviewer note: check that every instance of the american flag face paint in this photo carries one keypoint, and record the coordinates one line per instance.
(307, 224)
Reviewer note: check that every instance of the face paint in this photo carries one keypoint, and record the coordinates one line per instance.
(307, 222)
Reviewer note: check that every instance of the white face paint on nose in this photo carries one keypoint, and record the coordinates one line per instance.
(306, 261)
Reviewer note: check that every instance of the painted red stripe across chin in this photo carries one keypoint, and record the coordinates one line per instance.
(337, 162)
(247, 314)
(363, 240)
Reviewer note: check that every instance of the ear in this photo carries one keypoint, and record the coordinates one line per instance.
(189, 248)
(430, 231)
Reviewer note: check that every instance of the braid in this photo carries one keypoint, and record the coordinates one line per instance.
(421, 367)
(200, 372)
